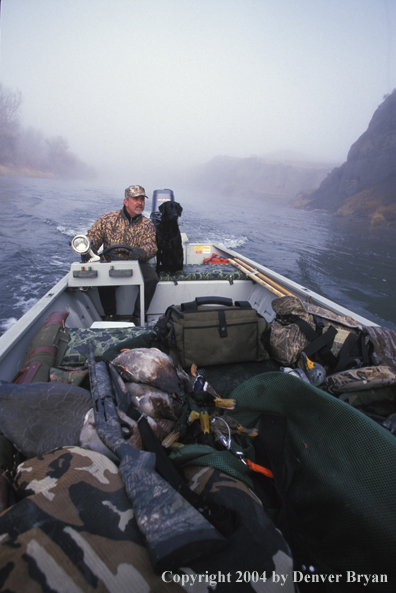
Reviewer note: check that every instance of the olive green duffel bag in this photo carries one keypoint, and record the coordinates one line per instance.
(212, 330)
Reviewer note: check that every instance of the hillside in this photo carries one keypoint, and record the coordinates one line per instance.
(365, 185)
(257, 177)
(28, 153)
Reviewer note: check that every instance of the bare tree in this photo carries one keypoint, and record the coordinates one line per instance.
(9, 123)
(21, 148)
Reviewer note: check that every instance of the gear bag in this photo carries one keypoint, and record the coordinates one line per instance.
(212, 330)
(337, 342)
(359, 380)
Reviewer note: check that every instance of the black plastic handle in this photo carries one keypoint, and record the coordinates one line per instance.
(214, 300)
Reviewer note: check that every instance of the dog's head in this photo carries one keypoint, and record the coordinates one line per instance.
(170, 210)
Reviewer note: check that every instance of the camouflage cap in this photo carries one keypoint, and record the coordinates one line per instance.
(135, 190)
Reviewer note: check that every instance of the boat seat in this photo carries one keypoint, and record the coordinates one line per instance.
(204, 272)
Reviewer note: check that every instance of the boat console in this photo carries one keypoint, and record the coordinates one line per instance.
(117, 273)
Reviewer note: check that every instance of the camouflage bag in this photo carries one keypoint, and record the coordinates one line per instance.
(336, 341)
(359, 379)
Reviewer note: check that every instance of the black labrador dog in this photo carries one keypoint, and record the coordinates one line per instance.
(170, 249)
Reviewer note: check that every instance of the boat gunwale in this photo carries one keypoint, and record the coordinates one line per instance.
(304, 293)
(30, 318)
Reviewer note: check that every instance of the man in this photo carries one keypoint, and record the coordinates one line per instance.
(129, 227)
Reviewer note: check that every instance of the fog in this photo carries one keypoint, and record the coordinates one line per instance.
(149, 87)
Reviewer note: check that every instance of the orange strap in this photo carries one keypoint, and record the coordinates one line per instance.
(259, 468)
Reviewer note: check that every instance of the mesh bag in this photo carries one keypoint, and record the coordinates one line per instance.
(338, 475)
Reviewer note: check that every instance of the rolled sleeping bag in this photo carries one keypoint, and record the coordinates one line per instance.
(43, 350)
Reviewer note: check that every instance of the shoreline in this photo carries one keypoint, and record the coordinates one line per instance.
(11, 171)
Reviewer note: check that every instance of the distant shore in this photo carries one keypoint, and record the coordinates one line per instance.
(11, 171)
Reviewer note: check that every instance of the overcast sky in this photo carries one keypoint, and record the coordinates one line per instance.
(145, 85)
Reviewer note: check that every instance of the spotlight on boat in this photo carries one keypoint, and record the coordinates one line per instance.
(81, 245)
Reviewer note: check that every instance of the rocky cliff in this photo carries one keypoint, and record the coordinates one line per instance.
(260, 178)
(366, 183)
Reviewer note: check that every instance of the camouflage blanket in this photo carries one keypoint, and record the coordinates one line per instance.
(204, 272)
(103, 339)
(72, 529)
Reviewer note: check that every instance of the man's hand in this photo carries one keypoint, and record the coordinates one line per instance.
(137, 253)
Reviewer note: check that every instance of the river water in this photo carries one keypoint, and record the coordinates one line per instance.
(347, 261)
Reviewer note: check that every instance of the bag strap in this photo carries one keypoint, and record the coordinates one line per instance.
(243, 305)
(220, 516)
(162, 328)
(222, 323)
(320, 343)
(355, 352)
(344, 357)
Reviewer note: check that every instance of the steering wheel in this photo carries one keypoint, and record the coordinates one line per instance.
(115, 257)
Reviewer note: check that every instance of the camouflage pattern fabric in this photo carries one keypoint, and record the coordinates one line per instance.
(286, 343)
(222, 460)
(384, 340)
(359, 379)
(204, 272)
(70, 375)
(287, 340)
(73, 529)
(77, 350)
(380, 401)
(114, 228)
(135, 190)
(291, 305)
(335, 318)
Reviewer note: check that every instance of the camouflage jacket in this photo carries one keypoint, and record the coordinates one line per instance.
(114, 228)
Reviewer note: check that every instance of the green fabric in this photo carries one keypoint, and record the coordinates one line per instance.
(222, 460)
(44, 350)
(142, 340)
(338, 474)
